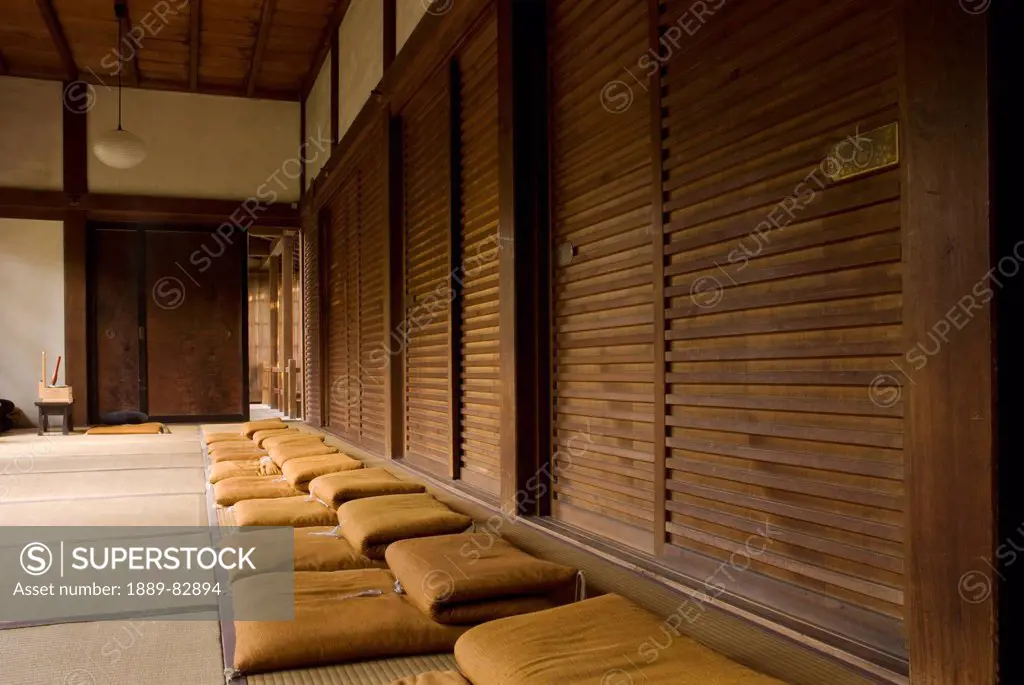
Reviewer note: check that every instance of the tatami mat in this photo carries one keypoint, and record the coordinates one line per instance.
(34, 487)
(114, 653)
(66, 463)
(378, 672)
(151, 510)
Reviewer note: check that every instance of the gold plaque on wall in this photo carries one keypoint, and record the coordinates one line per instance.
(864, 153)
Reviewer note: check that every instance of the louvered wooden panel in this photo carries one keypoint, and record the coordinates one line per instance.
(774, 337)
(480, 380)
(311, 322)
(343, 389)
(373, 229)
(426, 181)
(602, 304)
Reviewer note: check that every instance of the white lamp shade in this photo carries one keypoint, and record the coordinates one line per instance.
(119, 149)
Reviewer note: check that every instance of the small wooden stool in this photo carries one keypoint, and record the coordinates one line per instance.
(48, 409)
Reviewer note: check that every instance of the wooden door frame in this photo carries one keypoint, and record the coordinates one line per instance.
(139, 230)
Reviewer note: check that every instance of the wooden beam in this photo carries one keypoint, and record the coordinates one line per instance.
(523, 267)
(951, 574)
(25, 203)
(76, 364)
(658, 260)
(4, 67)
(130, 66)
(335, 90)
(302, 142)
(324, 45)
(60, 41)
(275, 333)
(390, 31)
(266, 19)
(195, 22)
(180, 87)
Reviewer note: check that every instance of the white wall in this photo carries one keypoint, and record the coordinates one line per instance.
(407, 15)
(202, 146)
(31, 138)
(361, 63)
(32, 309)
(318, 120)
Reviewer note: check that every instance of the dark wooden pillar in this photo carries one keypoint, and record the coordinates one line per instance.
(455, 270)
(523, 266)
(947, 256)
(394, 294)
(390, 32)
(76, 186)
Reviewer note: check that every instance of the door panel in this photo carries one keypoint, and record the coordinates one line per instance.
(194, 324)
(116, 365)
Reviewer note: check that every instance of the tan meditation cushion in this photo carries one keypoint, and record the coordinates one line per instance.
(214, 438)
(317, 548)
(247, 453)
(286, 438)
(434, 678)
(259, 436)
(373, 523)
(264, 424)
(589, 642)
(298, 512)
(302, 448)
(477, 577)
(338, 488)
(135, 429)
(223, 470)
(234, 490)
(339, 617)
(301, 470)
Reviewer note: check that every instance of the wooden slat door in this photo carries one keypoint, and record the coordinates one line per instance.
(602, 300)
(115, 265)
(783, 290)
(372, 357)
(480, 380)
(426, 181)
(342, 386)
(311, 368)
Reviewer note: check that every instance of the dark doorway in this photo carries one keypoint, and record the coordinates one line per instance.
(167, 323)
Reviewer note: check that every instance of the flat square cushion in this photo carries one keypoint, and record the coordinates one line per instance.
(476, 577)
(259, 436)
(136, 429)
(299, 512)
(317, 548)
(373, 523)
(581, 644)
(339, 617)
(223, 470)
(303, 448)
(214, 438)
(286, 438)
(234, 490)
(434, 678)
(338, 488)
(264, 424)
(244, 453)
(302, 470)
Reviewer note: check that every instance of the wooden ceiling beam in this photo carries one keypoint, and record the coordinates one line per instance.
(130, 66)
(324, 46)
(195, 19)
(266, 19)
(60, 41)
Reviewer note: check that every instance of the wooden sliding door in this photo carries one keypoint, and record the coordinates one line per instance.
(168, 324)
(602, 290)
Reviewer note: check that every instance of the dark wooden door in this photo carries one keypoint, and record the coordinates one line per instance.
(116, 359)
(169, 324)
